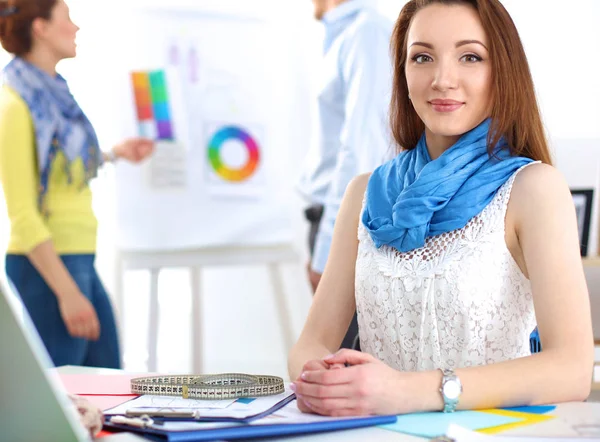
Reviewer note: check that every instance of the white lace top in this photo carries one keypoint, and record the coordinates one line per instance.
(458, 301)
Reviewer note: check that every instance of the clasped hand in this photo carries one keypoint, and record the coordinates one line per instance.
(351, 383)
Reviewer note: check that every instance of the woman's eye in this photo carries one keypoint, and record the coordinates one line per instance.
(471, 58)
(421, 58)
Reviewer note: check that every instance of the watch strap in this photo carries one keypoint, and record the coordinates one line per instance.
(449, 403)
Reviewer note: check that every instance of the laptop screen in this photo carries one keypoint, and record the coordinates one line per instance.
(33, 405)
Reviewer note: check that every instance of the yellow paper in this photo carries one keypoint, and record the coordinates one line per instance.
(528, 419)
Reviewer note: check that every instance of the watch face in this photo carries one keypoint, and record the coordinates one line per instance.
(451, 389)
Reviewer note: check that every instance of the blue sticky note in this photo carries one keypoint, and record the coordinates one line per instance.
(436, 424)
(534, 409)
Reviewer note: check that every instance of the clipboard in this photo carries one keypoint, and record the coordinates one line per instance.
(182, 431)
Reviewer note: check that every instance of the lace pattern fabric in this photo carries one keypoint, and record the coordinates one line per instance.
(461, 300)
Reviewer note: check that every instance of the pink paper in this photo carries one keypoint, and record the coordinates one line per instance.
(107, 402)
(97, 384)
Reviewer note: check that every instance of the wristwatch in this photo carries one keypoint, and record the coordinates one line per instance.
(451, 390)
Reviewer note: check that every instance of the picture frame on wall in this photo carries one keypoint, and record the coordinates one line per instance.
(583, 199)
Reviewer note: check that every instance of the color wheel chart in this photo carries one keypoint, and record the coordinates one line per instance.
(215, 158)
(152, 105)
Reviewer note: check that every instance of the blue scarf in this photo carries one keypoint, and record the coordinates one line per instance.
(412, 197)
(59, 122)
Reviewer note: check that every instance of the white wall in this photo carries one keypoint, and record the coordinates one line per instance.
(240, 328)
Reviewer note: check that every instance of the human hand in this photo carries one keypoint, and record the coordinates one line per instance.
(134, 149)
(79, 316)
(366, 387)
(313, 277)
(315, 364)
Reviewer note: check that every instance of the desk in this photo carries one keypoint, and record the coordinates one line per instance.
(567, 416)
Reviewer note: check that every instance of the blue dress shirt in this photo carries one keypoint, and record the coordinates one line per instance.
(353, 102)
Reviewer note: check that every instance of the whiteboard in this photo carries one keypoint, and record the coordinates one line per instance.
(223, 73)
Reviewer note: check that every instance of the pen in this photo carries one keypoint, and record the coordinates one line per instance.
(138, 422)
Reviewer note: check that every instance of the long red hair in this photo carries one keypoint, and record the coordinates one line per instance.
(515, 112)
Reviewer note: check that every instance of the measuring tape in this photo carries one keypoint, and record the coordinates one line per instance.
(211, 386)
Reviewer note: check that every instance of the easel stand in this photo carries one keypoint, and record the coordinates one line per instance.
(196, 260)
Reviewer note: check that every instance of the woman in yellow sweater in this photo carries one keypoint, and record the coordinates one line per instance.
(48, 154)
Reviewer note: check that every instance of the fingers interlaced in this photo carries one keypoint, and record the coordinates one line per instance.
(316, 391)
(330, 377)
(350, 357)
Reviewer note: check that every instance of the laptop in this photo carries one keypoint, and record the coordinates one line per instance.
(33, 404)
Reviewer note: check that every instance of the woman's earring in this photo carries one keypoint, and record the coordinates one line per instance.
(409, 97)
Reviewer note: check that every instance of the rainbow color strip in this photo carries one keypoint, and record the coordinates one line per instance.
(214, 154)
(152, 104)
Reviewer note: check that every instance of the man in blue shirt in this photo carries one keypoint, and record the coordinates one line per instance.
(353, 117)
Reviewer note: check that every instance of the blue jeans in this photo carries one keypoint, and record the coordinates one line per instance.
(41, 303)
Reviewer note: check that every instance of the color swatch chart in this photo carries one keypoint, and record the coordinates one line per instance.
(152, 105)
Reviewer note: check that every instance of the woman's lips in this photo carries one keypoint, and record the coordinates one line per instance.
(445, 105)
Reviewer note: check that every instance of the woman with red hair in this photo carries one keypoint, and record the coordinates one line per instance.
(455, 250)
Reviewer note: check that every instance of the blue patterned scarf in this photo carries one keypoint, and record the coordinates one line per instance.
(412, 197)
(59, 122)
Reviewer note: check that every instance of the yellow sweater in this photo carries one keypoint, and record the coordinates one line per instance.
(70, 223)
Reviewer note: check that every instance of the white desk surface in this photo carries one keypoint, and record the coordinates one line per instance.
(568, 416)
